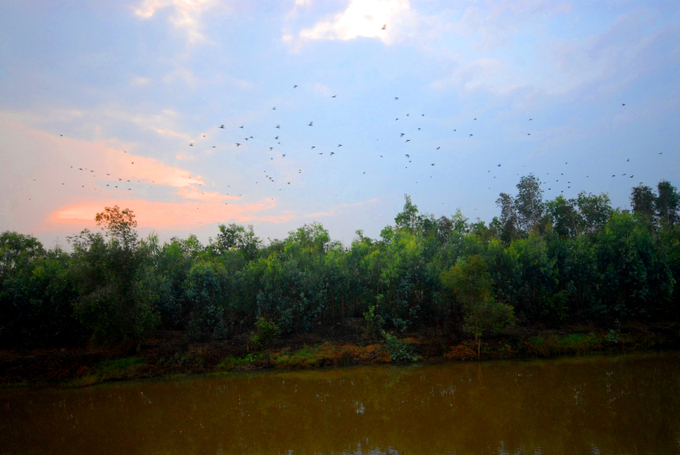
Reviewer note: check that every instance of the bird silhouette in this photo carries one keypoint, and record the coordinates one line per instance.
(311, 123)
(295, 86)
(384, 27)
(438, 148)
(222, 126)
(334, 96)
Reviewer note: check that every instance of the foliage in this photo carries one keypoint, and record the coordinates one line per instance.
(487, 316)
(108, 274)
(551, 262)
(397, 349)
(264, 333)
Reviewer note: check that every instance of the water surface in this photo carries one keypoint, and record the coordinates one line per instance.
(595, 405)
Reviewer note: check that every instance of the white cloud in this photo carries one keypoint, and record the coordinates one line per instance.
(363, 18)
(187, 16)
(139, 81)
(494, 26)
(486, 73)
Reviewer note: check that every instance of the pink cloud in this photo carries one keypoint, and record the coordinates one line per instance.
(170, 215)
(56, 182)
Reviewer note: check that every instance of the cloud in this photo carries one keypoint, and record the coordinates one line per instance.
(187, 17)
(139, 81)
(170, 215)
(494, 26)
(362, 18)
(56, 181)
(484, 73)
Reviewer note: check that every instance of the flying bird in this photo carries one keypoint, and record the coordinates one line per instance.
(310, 123)
(222, 126)
(295, 86)
(384, 27)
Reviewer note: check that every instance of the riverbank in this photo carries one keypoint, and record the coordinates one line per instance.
(173, 354)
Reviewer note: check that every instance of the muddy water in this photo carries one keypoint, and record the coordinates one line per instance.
(594, 405)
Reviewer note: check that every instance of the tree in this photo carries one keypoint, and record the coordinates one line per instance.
(595, 211)
(565, 216)
(667, 204)
(487, 316)
(235, 237)
(408, 218)
(529, 203)
(469, 279)
(509, 222)
(113, 302)
(643, 200)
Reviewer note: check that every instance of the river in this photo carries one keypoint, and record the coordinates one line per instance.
(588, 405)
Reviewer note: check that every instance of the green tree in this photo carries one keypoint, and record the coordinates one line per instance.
(487, 316)
(529, 204)
(595, 211)
(565, 216)
(108, 271)
(667, 204)
(643, 200)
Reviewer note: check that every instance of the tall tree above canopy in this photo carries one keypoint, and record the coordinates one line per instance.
(529, 203)
(408, 218)
(667, 203)
(643, 200)
(117, 223)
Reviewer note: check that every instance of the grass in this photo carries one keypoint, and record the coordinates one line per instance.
(109, 370)
(575, 343)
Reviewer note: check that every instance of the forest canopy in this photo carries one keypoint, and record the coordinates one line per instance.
(551, 262)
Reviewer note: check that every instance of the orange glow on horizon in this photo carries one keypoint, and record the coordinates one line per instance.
(170, 215)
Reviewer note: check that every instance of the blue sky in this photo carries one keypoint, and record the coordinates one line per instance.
(98, 93)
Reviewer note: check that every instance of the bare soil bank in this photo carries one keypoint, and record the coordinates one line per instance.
(172, 353)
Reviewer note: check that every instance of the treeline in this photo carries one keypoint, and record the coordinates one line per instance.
(550, 262)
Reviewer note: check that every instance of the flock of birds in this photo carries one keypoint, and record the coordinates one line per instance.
(274, 146)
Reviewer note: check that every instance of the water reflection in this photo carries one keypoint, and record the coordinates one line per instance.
(588, 406)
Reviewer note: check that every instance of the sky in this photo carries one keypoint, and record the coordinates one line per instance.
(276, 114)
